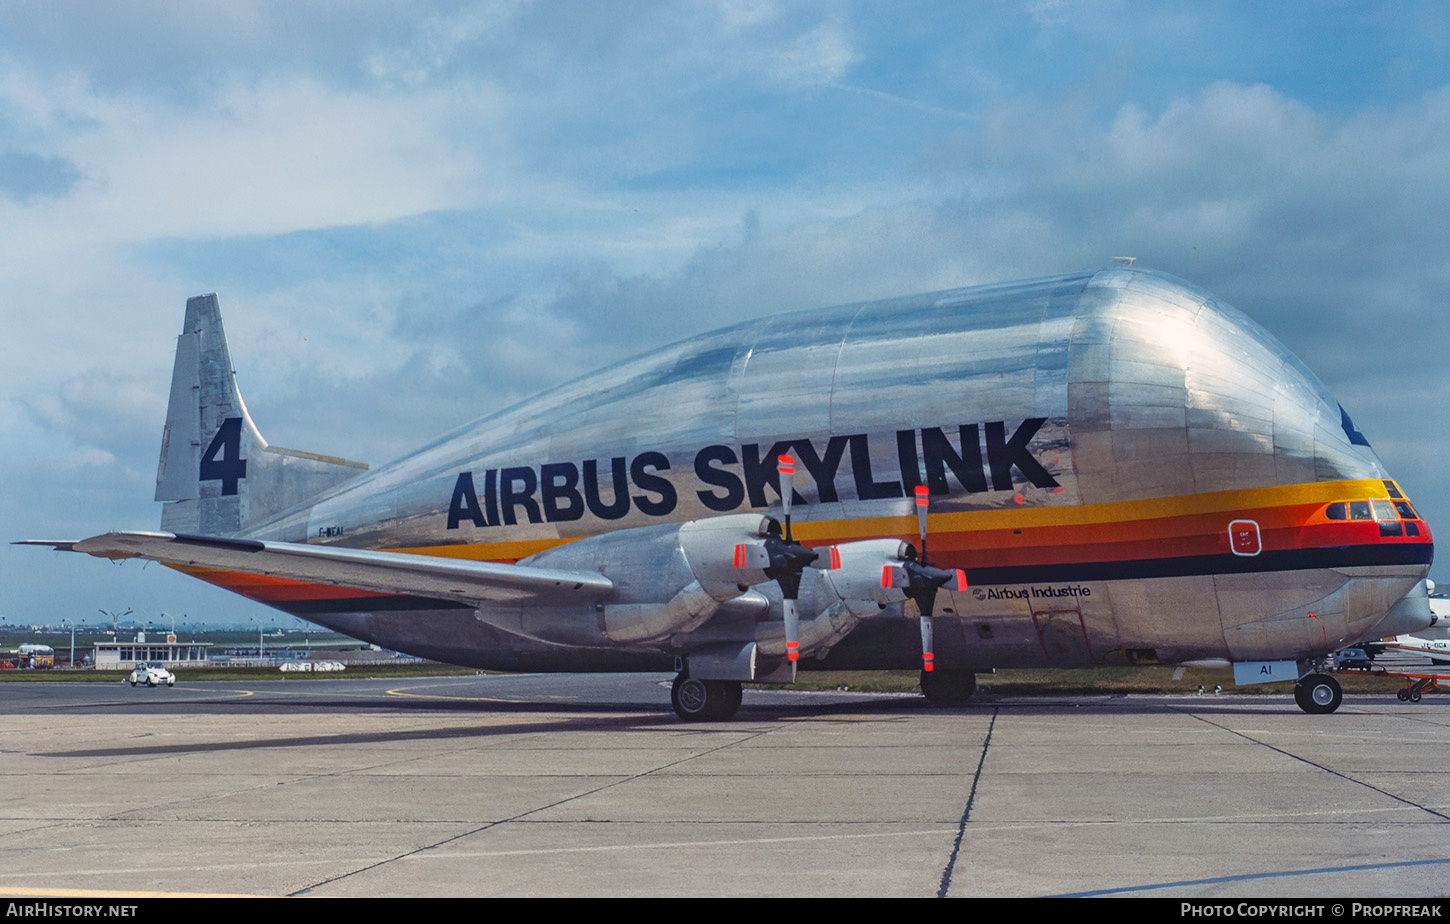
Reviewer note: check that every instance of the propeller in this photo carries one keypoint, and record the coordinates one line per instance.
(782, 559)
(920, 581)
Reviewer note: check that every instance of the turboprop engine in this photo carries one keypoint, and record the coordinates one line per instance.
(671, 580)
(668, 580)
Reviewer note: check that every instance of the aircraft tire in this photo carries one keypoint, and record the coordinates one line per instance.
(705, 700)
(948, 688)
(133, 683)
(1414, 696)
(1402, 695)
(1318, 694)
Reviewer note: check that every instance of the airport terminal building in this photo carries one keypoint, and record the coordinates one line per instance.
(126, 655)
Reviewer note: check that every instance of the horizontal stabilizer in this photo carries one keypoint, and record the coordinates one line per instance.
(470, 582)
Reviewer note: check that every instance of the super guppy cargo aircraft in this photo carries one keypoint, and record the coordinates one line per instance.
(1120, 469)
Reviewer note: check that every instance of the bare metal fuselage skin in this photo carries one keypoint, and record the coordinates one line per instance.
(1127, 469)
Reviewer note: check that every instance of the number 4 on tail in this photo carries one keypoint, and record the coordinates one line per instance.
(223, 460)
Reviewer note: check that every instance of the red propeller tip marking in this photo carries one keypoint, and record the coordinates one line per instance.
(835, 558)
(786, 465)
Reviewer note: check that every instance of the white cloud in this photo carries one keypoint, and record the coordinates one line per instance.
(263, 158)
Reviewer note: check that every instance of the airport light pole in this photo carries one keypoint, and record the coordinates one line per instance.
(72, 640)
(115, 620)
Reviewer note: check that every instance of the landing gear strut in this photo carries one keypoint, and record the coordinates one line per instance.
(948, 688)
(1318, 694)
(705, 700)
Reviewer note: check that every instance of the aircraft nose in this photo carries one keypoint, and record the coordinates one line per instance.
(1171, 388)
(1410, 615)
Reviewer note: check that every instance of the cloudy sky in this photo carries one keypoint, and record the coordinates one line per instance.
(417, 213)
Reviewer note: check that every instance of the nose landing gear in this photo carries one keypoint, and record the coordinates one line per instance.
(1318, 694)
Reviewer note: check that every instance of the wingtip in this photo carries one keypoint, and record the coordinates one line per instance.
(60, 545)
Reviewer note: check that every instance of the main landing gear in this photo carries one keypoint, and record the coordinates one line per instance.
(948, 688)
(705, 700)
(1318, 694)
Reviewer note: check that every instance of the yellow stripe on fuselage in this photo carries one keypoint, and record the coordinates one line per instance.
(829, 531)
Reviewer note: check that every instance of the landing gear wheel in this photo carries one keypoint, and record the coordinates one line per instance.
(705, 700)
(948, 688)
(1318, 694)
(1414, 696)
(1402, 695)
(133, 683)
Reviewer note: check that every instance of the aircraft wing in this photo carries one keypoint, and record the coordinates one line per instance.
(471, 582)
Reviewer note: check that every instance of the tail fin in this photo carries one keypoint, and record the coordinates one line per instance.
(216, 473)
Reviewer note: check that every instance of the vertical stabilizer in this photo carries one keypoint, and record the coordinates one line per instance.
(216, 474)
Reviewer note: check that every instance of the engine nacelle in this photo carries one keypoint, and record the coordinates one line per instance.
(668, 579)
(858, 574)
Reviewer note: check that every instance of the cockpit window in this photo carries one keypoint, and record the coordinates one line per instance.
(1395, 517)
(1393, 488)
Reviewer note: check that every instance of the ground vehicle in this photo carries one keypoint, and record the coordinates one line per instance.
(1353, 658)
(152, 673)
(37, 656)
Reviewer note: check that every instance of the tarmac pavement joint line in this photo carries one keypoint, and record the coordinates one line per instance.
(522, 815)
(681, 845)
(1250, 877)
(946, 873)
(1318, 766)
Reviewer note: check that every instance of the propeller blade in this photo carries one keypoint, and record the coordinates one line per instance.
(792, 631)
(786, 466)
(829, 559)
(926, 655)
(921, 505)
(749, 555)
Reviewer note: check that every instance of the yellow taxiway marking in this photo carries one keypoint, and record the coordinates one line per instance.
(20, 892)
(404, 691)
(225, 693)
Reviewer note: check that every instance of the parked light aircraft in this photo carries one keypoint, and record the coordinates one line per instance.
(1120, 469)
(1438, 649)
